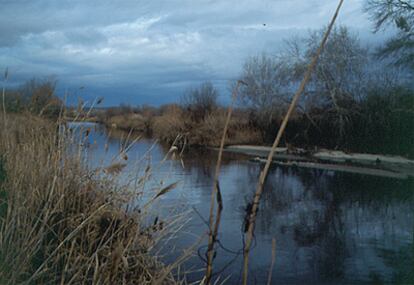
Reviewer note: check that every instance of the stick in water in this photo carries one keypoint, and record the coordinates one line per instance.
(272, 263)
(216, 192)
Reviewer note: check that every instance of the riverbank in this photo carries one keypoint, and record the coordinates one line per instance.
(392, 166)
(62, 222)
(363, 163)
(173, 123)
(377, 131)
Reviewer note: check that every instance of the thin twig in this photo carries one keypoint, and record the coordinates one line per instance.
(68, 237)
(186, 254)
(263, 174)
(272, 263)
(6, 75)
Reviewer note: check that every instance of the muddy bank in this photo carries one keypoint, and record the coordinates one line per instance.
(363, 163)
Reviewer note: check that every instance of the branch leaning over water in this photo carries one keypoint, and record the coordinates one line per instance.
(216, 193)
(263, 174)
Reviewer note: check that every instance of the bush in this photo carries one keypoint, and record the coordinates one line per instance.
(210, 130)
(131, 121)
(169, 125)
(201, 101)
(36, 96)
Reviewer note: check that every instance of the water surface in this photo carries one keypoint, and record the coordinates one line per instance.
(330, 227)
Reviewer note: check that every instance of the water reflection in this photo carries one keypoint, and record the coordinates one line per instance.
(330, 228)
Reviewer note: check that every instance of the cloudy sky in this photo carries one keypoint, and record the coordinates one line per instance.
(150, 51)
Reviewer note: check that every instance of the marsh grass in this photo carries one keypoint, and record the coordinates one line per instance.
(62, 223)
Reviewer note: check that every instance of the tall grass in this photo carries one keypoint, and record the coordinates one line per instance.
(3, 94)
(62, 223)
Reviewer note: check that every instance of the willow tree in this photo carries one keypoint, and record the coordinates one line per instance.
(266, 91)
(338, 81)
(400, 15)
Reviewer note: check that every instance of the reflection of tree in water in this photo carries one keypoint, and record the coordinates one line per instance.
(200, 163)
(403, 261)
(317, 219)
(312, 207)
(327, 233)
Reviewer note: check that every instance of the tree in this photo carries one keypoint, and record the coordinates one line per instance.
(400, 14)
(200, 101)
(338, 81)
(266, 90)
(40, 97)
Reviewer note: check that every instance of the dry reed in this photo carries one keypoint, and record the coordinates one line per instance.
(215, 193)
(64, 223)
(272, 263)
(6, 76)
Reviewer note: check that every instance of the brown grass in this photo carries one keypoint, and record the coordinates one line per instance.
(132, 121)
(64, 224)
(206, 132)
(172, 120)
(167, 126)
(209, 131)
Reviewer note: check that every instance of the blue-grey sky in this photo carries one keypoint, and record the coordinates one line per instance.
(150, 51)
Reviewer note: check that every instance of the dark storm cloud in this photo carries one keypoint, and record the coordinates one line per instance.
(152, 49)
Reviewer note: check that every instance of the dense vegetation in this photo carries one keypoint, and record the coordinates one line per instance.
(63, 223)
(35, 96)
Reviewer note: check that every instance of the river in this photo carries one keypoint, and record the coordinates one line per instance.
(329, 227)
